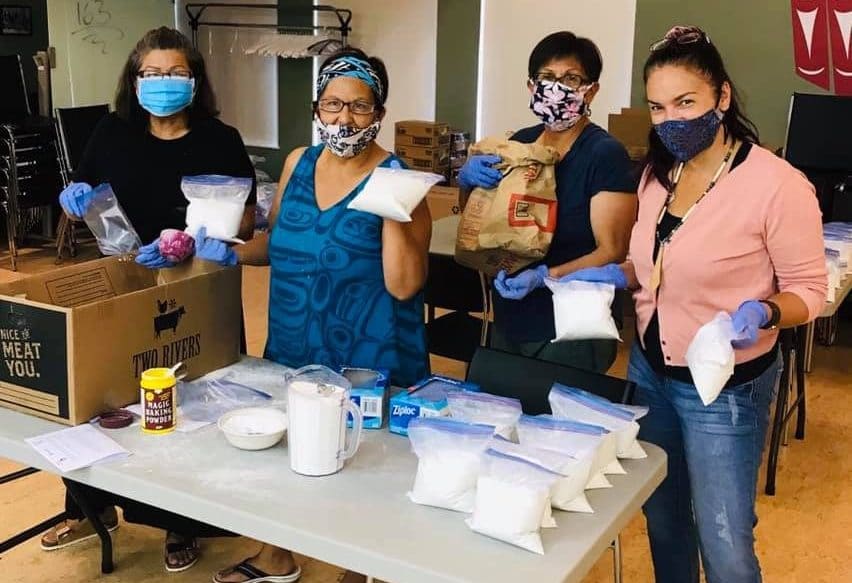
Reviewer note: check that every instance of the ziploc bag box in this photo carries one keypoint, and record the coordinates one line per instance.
(428, 398)
(370, 393)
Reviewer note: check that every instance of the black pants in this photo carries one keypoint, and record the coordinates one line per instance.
(139, 513)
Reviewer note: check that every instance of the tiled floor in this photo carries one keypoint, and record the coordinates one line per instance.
(804, 534)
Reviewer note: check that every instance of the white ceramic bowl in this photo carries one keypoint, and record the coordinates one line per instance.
(254, 427)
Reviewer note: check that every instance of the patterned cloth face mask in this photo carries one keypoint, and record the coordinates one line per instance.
(558, 106)
(347, 141)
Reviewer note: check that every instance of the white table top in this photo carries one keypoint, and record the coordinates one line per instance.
(831, 307)
(444, 235)
(358, 519)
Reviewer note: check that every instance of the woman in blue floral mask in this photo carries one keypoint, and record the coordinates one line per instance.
(596, 197)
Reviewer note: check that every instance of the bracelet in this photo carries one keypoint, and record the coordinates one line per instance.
(775, 316)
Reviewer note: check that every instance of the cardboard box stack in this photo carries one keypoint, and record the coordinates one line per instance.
(631, 128)
(424, 145)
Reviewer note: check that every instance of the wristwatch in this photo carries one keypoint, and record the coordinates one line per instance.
(775, 316)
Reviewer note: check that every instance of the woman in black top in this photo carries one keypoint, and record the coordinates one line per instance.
(164, 128)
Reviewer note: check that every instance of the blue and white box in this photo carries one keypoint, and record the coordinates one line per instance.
(370, 393)
(427, 398)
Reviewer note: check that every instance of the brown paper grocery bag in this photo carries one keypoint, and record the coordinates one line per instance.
(512, 225)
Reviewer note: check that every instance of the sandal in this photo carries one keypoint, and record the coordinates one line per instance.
(189, 545)
(66, 534)
(255, 575)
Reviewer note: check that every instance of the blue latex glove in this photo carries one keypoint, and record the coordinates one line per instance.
(477, 171)
(76, 198)
(610, 273)
(747, 320)
(213, 249)
(517, 288)
(149, 255)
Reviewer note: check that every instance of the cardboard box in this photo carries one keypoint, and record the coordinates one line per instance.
(426, 165)
(424, 134)
(443, 201)
(631, 128)
(76, 340)
(439, 156)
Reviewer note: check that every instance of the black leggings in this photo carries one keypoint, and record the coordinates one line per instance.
(139, 513)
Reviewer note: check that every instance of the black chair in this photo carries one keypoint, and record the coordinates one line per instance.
(451, 286)
(74, 127)
(529, 379)
(14, 103)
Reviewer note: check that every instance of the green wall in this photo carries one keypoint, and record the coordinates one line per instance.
(456, 75)
(26, 46)
(755, 39)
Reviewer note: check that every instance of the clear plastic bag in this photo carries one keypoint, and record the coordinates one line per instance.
(449, 455)
(500, 412)
(216, 202)
(567, 492)
(394, 193)
(578, 440)
(579, 405)
(512, 496)
(581, 310)
(110, 226)
(208, 399)
(710, 357)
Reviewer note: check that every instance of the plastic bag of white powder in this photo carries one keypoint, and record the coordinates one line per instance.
(216, 202)
(710, 357)
(394, 193)
(449, 455)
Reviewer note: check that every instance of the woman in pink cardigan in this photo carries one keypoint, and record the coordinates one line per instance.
(723, 226)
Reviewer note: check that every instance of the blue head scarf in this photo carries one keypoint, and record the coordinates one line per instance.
(350, 66)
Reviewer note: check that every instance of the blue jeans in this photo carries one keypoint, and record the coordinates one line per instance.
(707, 500)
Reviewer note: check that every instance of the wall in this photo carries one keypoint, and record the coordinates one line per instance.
(404, 35)
(510, 30)
(457, 63)
(26, 46)
(92, 41)
(758, 58)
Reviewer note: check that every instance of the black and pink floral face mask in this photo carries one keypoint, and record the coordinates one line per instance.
(557, 105)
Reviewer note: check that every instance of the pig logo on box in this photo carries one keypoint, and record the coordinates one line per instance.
(167, 320)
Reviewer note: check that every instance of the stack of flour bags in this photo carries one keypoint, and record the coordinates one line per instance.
(508, 470)
(838, 255)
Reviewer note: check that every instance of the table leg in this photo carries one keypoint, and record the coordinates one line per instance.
(616, 559)
(809, 331)
(93, 517)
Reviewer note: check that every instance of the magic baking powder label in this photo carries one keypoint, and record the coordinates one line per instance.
(158, 410)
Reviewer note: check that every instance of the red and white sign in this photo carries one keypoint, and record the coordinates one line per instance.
(840, 26)
(810, 40)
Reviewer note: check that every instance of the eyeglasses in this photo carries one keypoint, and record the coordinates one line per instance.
(680, 38)
(357, 107)
(571, 80)
(157, 74)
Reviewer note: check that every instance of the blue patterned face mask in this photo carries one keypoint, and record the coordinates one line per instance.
(686, 138)
(164, 96)
(347, 141)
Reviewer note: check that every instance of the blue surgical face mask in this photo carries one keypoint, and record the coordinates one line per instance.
(686, 138)
(164, 96)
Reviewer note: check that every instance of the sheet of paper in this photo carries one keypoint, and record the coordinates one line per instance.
(77, 447)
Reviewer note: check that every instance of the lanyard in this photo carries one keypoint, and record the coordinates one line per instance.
(670, 196)
(657, 273)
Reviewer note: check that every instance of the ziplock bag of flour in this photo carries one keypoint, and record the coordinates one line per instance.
(512, 496)
(394, 193)
(216, 202)
(578, 440)
(108, 223)
(710, 357)
(449, 454)
(567, 493)
(581, 310)
(209, 399)
(579, 405)
(501, 412)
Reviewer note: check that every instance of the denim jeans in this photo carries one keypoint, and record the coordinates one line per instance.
(707, 500)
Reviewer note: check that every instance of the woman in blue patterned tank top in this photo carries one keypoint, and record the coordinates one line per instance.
(345, 285)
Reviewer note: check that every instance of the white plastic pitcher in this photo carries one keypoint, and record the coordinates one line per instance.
(318, 405)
